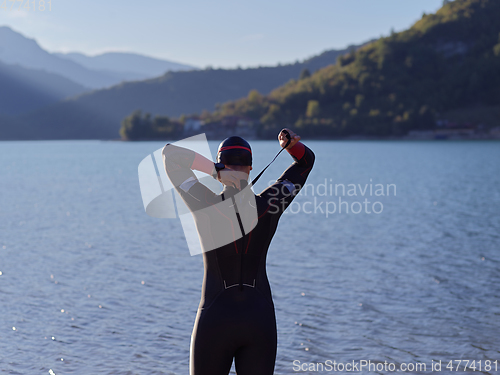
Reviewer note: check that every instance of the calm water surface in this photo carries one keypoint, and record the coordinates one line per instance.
(90, 284)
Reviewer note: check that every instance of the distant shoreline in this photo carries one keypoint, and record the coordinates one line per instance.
(351, 138)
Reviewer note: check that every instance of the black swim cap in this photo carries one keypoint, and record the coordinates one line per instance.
(234, 151)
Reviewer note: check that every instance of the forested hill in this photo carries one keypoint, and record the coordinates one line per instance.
(24, 89)
(405, 81)
(98, 114)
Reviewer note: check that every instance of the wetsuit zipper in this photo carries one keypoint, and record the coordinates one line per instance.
(242, 242)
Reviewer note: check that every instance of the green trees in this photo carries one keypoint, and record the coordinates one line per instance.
(132, 127)
(137, 127)
(305, 73)
(254, 96)
(312, 108)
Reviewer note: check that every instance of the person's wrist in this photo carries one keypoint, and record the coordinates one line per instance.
(292, 145)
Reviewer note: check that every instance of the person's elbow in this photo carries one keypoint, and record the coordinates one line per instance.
(311, 156)
(168, 150)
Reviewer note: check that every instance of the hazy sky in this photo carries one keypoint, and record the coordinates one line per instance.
(216, 33)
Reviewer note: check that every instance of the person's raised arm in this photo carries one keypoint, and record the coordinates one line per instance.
(293, 179)
(179, 164)
(303, 158)
(176, 157)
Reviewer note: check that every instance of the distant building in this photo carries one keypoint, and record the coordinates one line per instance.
(231, 125)
(444, 123)
(192, 125)
(495, 132)
(463, 133)
(421, 134)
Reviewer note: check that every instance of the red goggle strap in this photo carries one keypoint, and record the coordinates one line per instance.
(233, 147)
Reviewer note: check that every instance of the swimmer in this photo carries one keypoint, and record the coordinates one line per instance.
(236, 317)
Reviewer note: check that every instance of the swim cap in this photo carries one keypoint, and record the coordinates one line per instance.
(234, 151)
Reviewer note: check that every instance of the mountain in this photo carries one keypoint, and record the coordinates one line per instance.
(92, 72)
(130, 66)
(446, 63)
(17, 49)
(24, 89)
(98, 114)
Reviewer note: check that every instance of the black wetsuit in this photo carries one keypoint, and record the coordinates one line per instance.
(236, 317)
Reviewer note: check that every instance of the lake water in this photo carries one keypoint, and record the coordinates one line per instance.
(90, 284)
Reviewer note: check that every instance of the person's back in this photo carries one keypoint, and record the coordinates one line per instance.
(236, 316)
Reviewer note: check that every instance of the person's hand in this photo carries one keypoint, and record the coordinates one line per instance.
(283, 139)
(232, 178)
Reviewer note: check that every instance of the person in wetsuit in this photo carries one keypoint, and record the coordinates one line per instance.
(236, 317)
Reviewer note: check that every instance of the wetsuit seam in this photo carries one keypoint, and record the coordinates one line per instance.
(221, 279)
(213, 300)
(266, 298)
